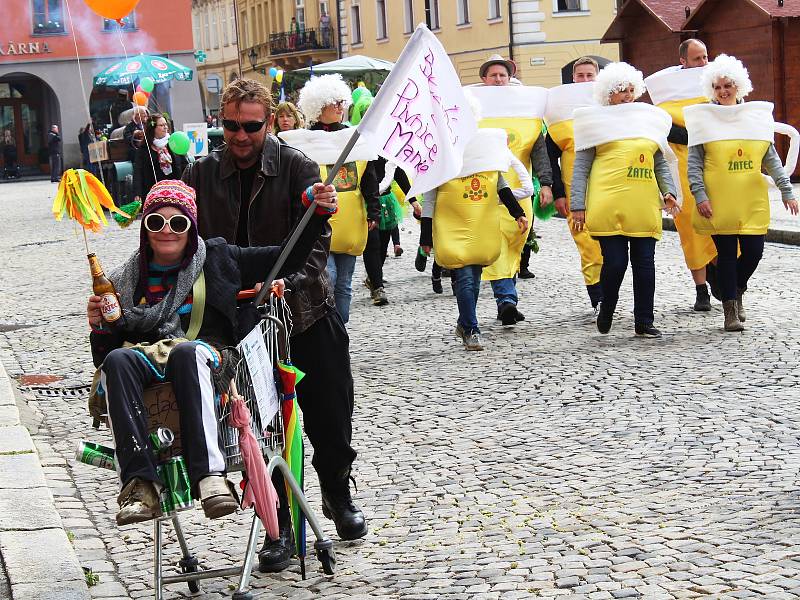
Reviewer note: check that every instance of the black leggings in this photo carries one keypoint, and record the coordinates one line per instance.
(733, 273)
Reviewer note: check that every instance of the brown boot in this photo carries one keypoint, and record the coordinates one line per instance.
(217, 496)
(138, 501)
(739, 306)
(732, 322)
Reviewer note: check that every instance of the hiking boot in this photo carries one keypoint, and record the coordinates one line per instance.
(605, 316)
(337, 505)
(702, 302)
(739, 306)
(217, 496)
(472, 341)
(138, 501)
(436, 282)
(420, 261)
(732, 321)
(524, 273)
(647, 331)
(398, 251)
(507, 313)
(275, 555)
(379, 297)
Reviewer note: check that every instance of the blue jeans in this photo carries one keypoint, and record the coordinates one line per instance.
(615, 263)
(505, 291)
(340, 270)
(468, 285)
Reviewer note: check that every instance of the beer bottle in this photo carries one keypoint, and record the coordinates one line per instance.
(110, 309)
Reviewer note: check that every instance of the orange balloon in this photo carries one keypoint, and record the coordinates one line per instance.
(112, 9)
(140, 99)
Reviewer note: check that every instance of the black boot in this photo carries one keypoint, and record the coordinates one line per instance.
(524, 261)
(275, 555)
(702, 302)
(337, 505)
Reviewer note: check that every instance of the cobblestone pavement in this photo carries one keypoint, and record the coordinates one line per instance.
(556, 463)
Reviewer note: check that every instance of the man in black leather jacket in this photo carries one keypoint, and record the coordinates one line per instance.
(251, 192)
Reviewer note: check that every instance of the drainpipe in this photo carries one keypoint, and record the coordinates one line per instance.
(510, 32)
(339, 28)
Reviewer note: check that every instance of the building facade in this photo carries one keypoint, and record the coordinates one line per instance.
(543, 37)
(42, 82)
(216, 48)
(286, 34)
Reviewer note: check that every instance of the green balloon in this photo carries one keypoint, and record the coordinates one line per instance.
(147, 84)
(179, 143)
(359, 93)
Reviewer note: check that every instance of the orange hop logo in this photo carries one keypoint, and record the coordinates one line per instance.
(641, 158)
(740, 152)
(475, 184)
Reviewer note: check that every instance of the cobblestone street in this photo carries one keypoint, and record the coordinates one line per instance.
(557, 463)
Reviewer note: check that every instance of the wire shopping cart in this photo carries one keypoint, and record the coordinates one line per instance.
(275, 330)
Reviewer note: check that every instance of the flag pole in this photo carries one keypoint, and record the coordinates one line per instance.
(301, 225)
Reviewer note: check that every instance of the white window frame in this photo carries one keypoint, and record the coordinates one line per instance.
(300, 13)
(583, 7)
(381, 20)
(495, 10)
(214, 30)
(223, 21)
(408, 16)
(355, 24)
(433, 15)
(462, 12)
(206, 30)
(197, 30)
(232, 21)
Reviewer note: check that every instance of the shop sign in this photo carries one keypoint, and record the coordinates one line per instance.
(19, 48)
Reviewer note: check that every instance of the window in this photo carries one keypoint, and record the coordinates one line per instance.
(196, 31)
(355, 17)
(128, 23)
(206, 31)
(223, 21)
(47, 17)
(432, 14)
(380, 17)
(244, 30)
(300, 13)
(408, 16)
(214, 31)
(569, 6)
(462, 10)
(233, 23)
(494, 9)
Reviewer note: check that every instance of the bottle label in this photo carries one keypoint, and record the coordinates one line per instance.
(110, 308)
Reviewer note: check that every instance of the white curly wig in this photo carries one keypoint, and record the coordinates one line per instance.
(615, 77)
(323, 91)
(726, 67)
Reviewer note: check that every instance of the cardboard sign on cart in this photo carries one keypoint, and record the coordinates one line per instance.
(162, 411)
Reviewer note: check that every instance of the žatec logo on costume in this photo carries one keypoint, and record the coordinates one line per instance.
(740, 164)
(639, 172)
(476, 190)
(346, 179)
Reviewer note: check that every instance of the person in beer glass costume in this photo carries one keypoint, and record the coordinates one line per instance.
(178, 298)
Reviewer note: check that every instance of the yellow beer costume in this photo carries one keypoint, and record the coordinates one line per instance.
(349, 224)
(561, 103)
(672, 90)
(518, 110)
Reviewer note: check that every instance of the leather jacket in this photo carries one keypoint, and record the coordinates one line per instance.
(274, 209)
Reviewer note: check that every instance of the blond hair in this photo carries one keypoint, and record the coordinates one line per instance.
(585, 60)
(290, 109)
(247, 90)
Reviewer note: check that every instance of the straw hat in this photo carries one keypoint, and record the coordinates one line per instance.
(496, 59)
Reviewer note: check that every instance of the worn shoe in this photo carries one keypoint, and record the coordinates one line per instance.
(604, 319)
(398, 251)
(217, 496)
(138, 501)
(337, 505)
(275, 555)
(379, 297)
(732, 320)
(507, 313)
(702, 302)
(740, 306)
(368, 284)
(420, 261)
(647, 331)
(519, 316)
(436, 282)
(473, 341)
(526, 274)
(460, 333)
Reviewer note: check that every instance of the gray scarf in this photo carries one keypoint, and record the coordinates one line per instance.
(162, 317)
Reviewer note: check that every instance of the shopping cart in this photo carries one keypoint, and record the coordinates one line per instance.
(275, 329)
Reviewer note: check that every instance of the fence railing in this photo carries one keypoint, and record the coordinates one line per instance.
(305, 39)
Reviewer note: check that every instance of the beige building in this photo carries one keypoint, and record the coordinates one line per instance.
(216, 51)
(543, 37)
(286, 34)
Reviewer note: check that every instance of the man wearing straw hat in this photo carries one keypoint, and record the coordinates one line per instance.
(252, 191)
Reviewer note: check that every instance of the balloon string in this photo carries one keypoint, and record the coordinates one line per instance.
(83, 90)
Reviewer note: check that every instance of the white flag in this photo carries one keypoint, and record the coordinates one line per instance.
(420, 120)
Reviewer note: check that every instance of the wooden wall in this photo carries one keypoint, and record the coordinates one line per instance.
(652, 47)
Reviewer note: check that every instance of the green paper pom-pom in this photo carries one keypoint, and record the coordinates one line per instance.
(132, 209)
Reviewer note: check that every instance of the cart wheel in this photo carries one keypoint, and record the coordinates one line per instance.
(242, 596)
(326, 555)
(189, 565)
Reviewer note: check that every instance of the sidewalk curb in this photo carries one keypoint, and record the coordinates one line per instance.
(776, 236)
(40, 561)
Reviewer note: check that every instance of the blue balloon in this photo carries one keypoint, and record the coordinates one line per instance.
(273, 71)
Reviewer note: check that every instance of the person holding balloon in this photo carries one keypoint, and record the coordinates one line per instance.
(162, 158)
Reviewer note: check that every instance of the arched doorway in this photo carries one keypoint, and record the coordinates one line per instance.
(28, 107)
(566, 70)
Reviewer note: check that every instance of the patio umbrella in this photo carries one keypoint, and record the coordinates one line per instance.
(159, 68)
(357, 67)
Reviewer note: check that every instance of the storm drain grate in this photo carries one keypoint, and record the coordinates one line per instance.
(79, 391)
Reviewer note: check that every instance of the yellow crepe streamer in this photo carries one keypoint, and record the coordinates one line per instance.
(82, 197)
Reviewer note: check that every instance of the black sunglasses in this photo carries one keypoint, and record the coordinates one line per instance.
(155, 222)
(249, 127)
